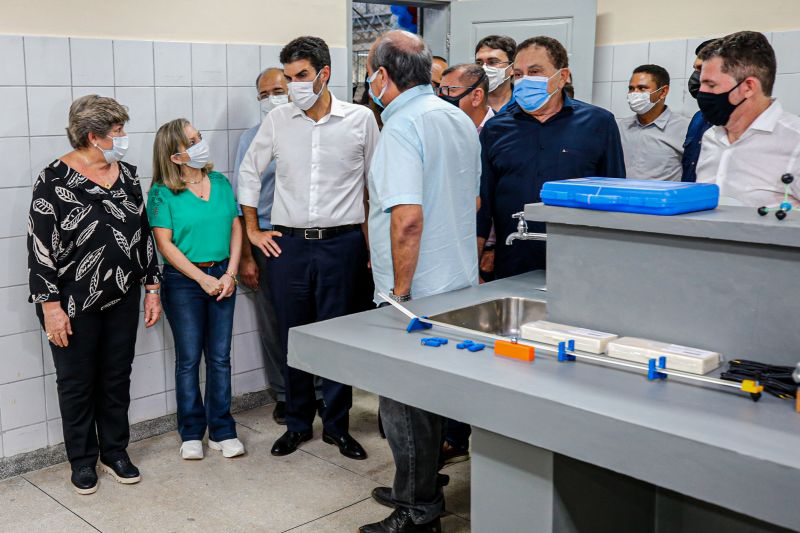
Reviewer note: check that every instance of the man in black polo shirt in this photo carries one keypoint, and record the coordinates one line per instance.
(544, 136)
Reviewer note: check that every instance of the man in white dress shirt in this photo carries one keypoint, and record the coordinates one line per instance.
(754, 142)
(323, 148)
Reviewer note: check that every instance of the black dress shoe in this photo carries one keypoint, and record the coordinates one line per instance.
(84, 480)
(348, 446)
(400, 522)
(279, 413)
(122, 470)
(383, 495)
(289, 441)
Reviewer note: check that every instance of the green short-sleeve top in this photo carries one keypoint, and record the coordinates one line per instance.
(200, 229)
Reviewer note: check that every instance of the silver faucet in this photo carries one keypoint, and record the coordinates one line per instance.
(522, 231)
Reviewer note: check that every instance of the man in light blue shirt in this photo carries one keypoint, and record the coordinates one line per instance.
(423, 188)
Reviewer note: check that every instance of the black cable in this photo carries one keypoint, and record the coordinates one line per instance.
(777, 380)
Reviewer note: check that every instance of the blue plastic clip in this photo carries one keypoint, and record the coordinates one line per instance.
(434, 343)
(571, 345)
(652, 369)
(441, 340)
(476, 347)
(562, 352)
(464, 344)
(417, 324)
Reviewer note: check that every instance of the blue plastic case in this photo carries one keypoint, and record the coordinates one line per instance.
(631, 196)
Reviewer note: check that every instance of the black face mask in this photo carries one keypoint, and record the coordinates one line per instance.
(456, 99)
(717, 108)
(694, 84)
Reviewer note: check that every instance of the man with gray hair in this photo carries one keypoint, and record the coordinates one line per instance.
(423, 185)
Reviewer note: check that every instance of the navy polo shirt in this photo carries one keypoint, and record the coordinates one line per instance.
(519, 154)
(691, 146)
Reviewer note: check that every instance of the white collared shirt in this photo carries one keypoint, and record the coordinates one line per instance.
(749, 170)
(654, 151)
(489, 114)
(321, 169)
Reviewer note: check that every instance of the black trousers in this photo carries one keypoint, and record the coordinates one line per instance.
(314, 280)
(93, 375)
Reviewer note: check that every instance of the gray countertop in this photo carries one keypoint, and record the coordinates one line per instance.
(741, 224)
(710, 443)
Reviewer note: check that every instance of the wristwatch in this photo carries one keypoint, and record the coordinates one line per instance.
(400, 298)
(151, 291)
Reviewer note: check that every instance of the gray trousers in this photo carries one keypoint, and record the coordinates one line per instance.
(274, 357)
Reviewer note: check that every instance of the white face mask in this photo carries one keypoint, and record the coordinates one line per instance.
(497, 76)
(302, 93)
(271, 102)
(199, 154)
(640, 102)
(119, 148)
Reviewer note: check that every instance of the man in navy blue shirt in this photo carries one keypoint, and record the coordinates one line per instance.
(544, 136)
(698, 125)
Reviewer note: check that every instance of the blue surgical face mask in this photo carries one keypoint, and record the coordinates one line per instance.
(376, 99)
(530, 92)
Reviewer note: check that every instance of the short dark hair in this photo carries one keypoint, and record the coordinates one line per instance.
(745, 54)
(470, 73)
(314, 49)
(702, 45)
(659, 74)
(408, 66)
(499, 42)
(555, 50)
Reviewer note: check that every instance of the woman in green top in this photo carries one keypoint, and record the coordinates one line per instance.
(195, 222)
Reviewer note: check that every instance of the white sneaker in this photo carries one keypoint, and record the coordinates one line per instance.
(192, 449)
(229, 448)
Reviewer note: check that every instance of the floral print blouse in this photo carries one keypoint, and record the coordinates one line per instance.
(88, 245)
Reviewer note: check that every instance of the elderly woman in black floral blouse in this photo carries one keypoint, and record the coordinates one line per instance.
(89, 251)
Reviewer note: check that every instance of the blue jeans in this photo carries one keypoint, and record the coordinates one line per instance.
(200, 324)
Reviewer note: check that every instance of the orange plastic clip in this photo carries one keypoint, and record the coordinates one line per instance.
(513, 350)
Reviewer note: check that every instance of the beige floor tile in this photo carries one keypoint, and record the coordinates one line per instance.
(457, 493)
(256, 492)
(366, 512)
(23, 507)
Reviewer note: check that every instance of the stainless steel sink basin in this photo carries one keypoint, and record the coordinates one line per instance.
(503, 316)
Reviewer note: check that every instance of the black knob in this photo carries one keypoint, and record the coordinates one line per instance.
(787, 179)
(780, 214)
(763, 211)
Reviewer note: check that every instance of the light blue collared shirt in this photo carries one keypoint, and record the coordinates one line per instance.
(267, 180)
(428, 154)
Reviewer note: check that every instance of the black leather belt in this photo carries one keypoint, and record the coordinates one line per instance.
(316, 234)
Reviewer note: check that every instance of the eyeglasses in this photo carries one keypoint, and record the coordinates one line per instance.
(492, 62)
(447, 90)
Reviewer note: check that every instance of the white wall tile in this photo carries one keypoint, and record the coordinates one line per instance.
(675, 96)
(172, 64)
(601, 94)
(25, 439)
(48, 109)
(245, 314)
(339, 60)
(12, 60)
(208, 65)
(786, 45)
(243, 108)
(55, 432)
(13, 263)
(45, 149)
(51, 397)
(47, 60)
(619, 99)
(691, 46)
(15, 163)
(133, 63)
(172, 402)
(626, 58)
(603, 63)
(671, 55)
(787, 90)
(22, 403)
(77, 92)
(210, 108)
(47, 355)
(150, 339)
(247, 353)
(253, 381)
(233, 147)
(270, 56)
(147, 377)
(20, 357)
(14, 215)
(169, 369)
(147, 408)
(218, 144)
(172, 103)
(140, 153)
(92, 62)
(141, 104)
(14, 110)
(244, 65)
(1, 443)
